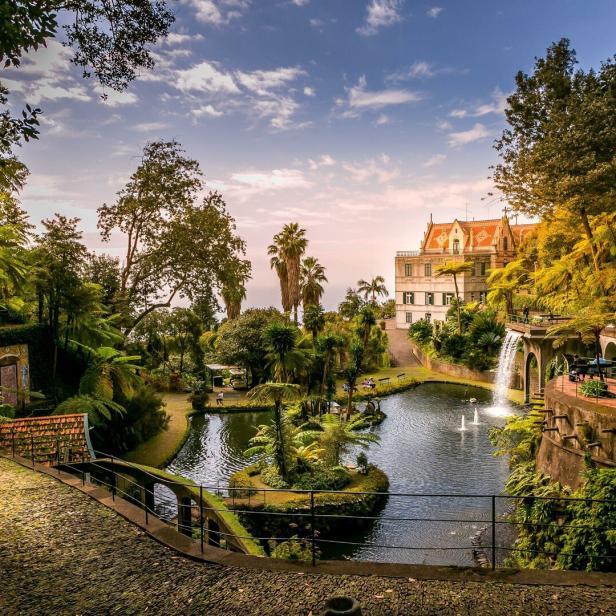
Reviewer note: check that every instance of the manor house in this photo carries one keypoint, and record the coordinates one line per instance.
(487, 244)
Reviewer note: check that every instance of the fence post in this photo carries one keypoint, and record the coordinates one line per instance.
(113, 485)
(13, 440)
(83, 469)
(201, 514)
(314, 556)
(145, 501)
(493, 532)
(32, 448)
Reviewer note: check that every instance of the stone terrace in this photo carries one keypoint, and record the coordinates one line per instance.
(64, 553)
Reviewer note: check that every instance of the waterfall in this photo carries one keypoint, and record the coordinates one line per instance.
(504, 371)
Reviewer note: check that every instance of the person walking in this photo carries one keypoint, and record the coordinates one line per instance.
(525, 312)
(220, 398)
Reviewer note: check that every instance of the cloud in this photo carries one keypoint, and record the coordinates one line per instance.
(379, 169)
(176, 38)
(217, 13)
(380, 14)
(479, 131)
(434, 12)
(111, 98)
(360, 98)
(262, 82)
(497, 105)
(205, 77)
(382, 120)
(435, 160)
(207, 110)
(149, 127)
(309, 91)
(300, 2)
(276, 179)
(324, 161)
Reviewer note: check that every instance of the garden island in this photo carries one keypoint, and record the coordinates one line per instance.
(273, 392)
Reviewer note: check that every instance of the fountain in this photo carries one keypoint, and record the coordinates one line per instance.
(463, 426)
(476, 417)
(504, 371)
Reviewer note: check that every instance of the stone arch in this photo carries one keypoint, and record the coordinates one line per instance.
(532, 376)
(609, 352)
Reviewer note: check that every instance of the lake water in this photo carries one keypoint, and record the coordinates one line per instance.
(422, 450)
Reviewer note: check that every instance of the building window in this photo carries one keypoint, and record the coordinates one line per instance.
(409, 317)
(482, 297)
(428, 317)
(429, 299)
(482, 268)
(408, 269)
(408, 297)
(456, 246)
(447, 297)
(504, 243)
(427, 270)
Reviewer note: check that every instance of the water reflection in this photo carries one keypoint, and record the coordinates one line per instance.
(422, 451)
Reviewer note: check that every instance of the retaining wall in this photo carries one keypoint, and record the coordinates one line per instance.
(588, 423)
(485, 376)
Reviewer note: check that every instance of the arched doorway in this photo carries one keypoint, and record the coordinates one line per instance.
(531, 376)
(9, 379)
(610, 351)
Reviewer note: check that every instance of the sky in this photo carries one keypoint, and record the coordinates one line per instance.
(356, 118)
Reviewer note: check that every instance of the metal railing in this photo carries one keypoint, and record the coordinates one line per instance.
(537, 320)
(314, 523)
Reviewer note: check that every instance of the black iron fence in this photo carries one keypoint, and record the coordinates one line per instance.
(453, 529)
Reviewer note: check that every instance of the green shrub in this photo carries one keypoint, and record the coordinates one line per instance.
(270, 477)
(421, 331)
(294, 549)
(241, 479)
(593, 389)
(335, 478)
(199, 400)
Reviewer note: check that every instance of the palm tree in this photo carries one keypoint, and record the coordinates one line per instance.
(286, 253)
(278, 263)
(281, 340)
(503, 284)
(356, 354)
(312, 275)
(277, 394)
(367, 319)
(233, 295)
(13, 269)
(455, 268)
(328, 345)
(337, 437)
(372, 288)
(314, 319)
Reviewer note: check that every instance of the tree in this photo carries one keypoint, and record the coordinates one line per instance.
(367, 319)
(337, 437)
(372, 288)
(314, 319)
(286, 253)
(104, 271)
(233, 290)
(184, 329)
(242, 341)
(327, 345)
(454, 269)
(110, 40)
(503, 283)
(349, 308)
(277, 394)
(174, 246)
(282, 343)
(312, 275)
(60, 256)
(356, 354)
(559, 148)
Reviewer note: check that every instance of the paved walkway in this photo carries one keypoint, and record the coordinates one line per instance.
(399, 347)
(63, 553)
(573, 389)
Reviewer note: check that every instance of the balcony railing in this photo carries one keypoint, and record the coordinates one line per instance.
(407, 253)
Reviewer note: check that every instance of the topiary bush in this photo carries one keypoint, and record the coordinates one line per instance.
(335, 478)
(270, 477)
(241, 479)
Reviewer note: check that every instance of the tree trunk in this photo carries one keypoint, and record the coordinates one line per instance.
(598, 355)
(455, 284)
(280, 454)
(591, 241)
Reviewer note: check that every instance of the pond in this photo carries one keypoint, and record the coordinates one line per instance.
(422, 450)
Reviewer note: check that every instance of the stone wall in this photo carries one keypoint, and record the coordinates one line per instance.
(486, 376)
(575, 426)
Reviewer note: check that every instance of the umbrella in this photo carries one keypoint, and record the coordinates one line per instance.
(602, 362)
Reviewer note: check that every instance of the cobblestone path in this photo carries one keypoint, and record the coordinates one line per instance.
(63, 553)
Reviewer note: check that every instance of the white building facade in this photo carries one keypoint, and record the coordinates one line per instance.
(487, 244)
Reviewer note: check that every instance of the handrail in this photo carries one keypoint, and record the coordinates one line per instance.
(107, 470)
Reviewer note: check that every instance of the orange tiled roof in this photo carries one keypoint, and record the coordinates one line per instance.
(48, 437)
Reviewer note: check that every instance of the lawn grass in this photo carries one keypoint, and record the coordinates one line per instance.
(161, 448)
